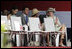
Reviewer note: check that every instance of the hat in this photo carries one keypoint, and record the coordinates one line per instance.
(51, 10)
(34, 11)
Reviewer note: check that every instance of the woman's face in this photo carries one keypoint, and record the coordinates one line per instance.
(50, 13)
(15, 11)
(37, 14)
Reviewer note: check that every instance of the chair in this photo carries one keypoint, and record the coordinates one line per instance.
(15, 25)
(50, 27)
(34, 28)
(3, 19)
(4, 35)
(34, 24)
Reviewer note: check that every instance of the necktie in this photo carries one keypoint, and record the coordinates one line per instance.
(26, 19)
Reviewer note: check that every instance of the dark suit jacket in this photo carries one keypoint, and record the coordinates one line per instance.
(23, 19)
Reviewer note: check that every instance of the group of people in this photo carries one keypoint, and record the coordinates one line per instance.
(35, 13)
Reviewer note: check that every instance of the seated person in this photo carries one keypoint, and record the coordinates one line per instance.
(59, 27)
(35, 13)
(14, 10)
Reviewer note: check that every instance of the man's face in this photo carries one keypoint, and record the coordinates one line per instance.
(26, 11)
(15, 11)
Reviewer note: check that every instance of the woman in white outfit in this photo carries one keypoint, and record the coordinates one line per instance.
(58, 25)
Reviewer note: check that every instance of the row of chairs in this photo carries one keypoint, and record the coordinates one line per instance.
(34, 27)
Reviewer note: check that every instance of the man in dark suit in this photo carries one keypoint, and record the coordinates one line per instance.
(24, 19)
(24, 16)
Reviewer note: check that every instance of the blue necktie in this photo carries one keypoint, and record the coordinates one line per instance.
(26, 19)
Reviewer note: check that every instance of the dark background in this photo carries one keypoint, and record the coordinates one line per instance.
(41, 5)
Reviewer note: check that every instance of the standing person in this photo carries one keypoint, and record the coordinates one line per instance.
(58, 25)
(24, 19)
(24, 16)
